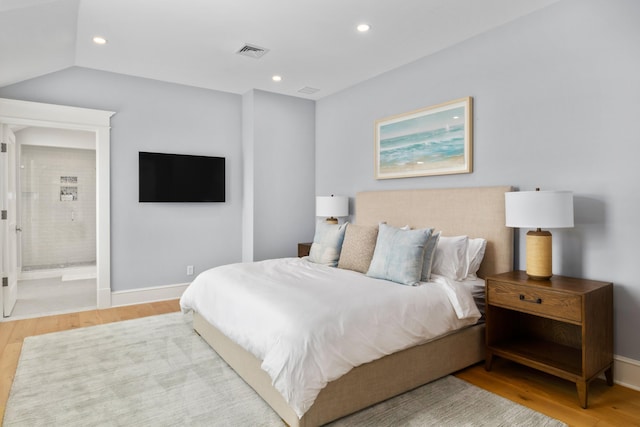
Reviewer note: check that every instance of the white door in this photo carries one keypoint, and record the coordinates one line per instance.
(8, 227)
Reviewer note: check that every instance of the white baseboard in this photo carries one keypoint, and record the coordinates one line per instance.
(626, 372)
(144, 295)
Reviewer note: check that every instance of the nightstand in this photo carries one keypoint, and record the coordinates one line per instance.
(562, 326)
(304, 249)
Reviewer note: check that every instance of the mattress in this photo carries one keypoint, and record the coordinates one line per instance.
(310, 324)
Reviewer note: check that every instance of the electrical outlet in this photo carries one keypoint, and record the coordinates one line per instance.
(189, 270)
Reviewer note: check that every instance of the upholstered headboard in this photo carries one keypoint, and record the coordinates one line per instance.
(475, 212)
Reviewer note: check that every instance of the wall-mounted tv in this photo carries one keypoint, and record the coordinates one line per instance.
(180, 178)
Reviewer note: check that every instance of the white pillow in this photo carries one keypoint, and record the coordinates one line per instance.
(450, 258)
(475, 254)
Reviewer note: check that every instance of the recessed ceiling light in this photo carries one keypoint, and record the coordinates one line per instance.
(99, 40)
(363, 28)
(276, 78)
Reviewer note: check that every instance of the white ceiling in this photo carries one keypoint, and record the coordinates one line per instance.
(312, 43)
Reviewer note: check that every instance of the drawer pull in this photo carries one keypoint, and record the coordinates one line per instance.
(534, 301)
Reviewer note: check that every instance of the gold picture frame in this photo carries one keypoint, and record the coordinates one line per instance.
(436, 140)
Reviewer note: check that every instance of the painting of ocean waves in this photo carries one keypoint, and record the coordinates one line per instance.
(432, 141)
(427, 146)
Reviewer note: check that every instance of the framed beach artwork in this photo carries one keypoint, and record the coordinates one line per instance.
(435, 140)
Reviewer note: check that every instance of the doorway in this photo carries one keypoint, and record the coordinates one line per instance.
(56, 200)
(24, 114)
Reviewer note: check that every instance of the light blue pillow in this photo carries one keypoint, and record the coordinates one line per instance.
(399, 254)
(327, 243)
(429, 252)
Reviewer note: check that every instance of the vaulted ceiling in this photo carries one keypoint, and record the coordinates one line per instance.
(312, 44)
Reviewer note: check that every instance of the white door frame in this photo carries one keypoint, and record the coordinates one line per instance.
(9, 293)
(27, 113)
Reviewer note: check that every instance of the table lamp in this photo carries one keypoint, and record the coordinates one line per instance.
(332, 207)
(539, 209)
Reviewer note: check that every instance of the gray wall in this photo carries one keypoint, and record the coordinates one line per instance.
(152, 243)
(283, 174)
(270, 200)
(555, 96)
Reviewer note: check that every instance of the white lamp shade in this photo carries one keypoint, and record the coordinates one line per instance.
(332, 206)
(539, 209)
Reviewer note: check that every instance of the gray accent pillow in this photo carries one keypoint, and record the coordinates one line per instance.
(357, 248)
(327, 243)
(399, 254)
(429, 252)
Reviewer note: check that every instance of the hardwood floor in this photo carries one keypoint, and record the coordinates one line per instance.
(557, 398)
(608, 406)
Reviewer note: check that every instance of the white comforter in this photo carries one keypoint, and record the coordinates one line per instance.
(311, 324)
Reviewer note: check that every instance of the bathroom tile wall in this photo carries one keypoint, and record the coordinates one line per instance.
(58, 218)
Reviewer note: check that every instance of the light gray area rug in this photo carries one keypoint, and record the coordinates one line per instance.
(156, 371)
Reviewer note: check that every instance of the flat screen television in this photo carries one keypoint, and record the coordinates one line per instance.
(180, 178)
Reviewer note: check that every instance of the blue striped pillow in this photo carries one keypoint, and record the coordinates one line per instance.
(327, 243)
(399, 254)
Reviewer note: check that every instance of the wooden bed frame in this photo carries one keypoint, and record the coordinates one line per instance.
(476, 212)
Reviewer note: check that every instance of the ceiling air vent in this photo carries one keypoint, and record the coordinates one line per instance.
(252, 51)
(308, 90)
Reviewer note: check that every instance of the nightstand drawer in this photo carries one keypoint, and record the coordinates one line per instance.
(542, 302)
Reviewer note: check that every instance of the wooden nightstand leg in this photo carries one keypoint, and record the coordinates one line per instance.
(488, 361)
(608, 374)
(582, 387)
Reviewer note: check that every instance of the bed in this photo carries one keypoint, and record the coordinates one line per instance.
(477, 212)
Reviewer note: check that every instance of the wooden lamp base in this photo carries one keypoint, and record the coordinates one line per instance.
(539, 255)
